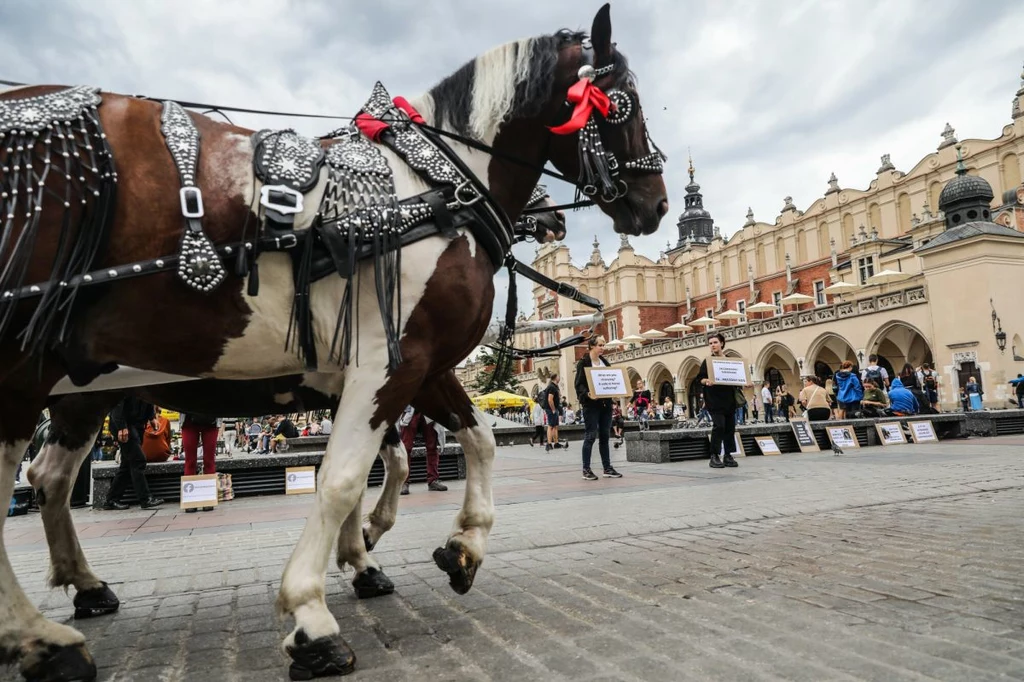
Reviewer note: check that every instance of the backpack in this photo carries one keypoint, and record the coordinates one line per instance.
(929, 380)
(874, 374)
(542, 398)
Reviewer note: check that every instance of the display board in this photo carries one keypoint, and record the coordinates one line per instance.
(804, 434)
(199, 491)
(923, 432)
(299, 480)
(728, 371)
(890, 433)
(607, 382)
(843, 436)
(767, 445)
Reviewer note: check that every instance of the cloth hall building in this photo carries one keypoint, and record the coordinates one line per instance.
(935, 257)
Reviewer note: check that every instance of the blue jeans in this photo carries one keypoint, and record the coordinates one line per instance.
(769, 413)
(597, 416)
(739, 415)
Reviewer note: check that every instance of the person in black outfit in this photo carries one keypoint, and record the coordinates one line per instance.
(720, 401)
(597, 414)
(128, 422)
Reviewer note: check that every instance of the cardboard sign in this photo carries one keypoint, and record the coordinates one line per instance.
(890, 433)
(738, 450)
(922, 432)
(843, 436)
(729, 371)
(299, 480)
(607, 382)
(199, 491)
(767, 445)
(805, 439)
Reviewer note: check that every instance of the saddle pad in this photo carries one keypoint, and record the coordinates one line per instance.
(39, 112)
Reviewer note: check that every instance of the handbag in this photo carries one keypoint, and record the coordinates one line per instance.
(741, 400)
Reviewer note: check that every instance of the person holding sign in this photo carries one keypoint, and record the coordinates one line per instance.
(597, 413)
(721, 401)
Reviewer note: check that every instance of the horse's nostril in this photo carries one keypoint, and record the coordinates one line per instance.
(662, 208)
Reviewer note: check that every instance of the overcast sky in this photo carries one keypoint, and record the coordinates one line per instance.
(770, 96)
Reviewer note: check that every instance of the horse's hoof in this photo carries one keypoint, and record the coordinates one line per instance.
(366, 541)
(322, 657)
(62, 664)
(372, 583)
(454, 560)
(98, 601)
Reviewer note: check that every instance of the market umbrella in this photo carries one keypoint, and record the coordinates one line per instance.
(841, 288)
(632, 338)
(678, 327)
(887, 276)
(729, 315)
(498, 399)
(653, 334)
(796, 299)
(761, 307)
(703, 322)
(614, 343)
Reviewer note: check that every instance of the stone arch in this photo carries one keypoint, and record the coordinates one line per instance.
(831, 350)
(848, 233)
(687, 378)
(824, 243)
(1009, 172)
(522, 391)
(659, 381)
(903, 212)
(896, 343)
(779, 358)
(633, 376)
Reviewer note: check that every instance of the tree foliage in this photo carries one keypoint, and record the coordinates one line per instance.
(506, 381)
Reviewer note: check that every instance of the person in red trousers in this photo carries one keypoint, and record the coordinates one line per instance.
(412, 422)
(194, 427)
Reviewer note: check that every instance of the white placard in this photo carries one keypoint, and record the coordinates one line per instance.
(729, 371)
(607, 382)
(843, 436)
(891, 433)
(299, 480)
(922, 432)
(767, 445)
(198, 491)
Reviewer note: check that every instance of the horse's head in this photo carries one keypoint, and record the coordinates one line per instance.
(602, 139)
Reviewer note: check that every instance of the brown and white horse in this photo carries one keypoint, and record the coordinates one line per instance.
(506, 100)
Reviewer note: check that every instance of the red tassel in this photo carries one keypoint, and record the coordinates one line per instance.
(587, 97)
(403, 104)
(371, 127)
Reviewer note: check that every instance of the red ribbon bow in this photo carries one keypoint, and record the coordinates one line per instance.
(587, 97)
(373, 128)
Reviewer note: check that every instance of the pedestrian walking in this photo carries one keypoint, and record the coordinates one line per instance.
(413, 422)
(552, 399)
(128, 422)
(597, 413)
(538, 425)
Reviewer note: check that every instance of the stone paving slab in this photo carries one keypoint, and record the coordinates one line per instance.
(901, 563)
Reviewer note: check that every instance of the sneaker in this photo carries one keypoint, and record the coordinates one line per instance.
(716, 462)
(437, 486)
(610, 472)
(405, 489)
(589, 475)
(547, 448)
(729, 461)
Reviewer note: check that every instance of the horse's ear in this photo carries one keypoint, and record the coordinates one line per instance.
(601, 31)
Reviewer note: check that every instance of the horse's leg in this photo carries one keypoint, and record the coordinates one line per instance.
(314, 644)
(46, 651)
(75, 421)
(464, 551)
(353, 546)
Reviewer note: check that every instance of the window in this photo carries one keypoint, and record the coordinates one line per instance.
(709, 312)
(741, 308)
(866, 268)
(613, 329)
(777, 300)
(548, 336)
(819, 292)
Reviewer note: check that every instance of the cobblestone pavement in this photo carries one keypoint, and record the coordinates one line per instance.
(902, 563)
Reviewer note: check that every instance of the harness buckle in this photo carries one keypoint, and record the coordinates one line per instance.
(468, 187)
(191, 202)
(289, 239)
(278, 203)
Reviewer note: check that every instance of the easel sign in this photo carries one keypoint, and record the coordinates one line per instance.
(738, 450)
(299, 480)
(199, 491)
(891, 433)
(607, 382)
(804, 435)
(843, 436)
(923, 432)
(729, 371)
(767, 445)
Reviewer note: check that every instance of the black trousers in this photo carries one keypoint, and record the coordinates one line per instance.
(597, 420)
(132, 468)
(723, 432)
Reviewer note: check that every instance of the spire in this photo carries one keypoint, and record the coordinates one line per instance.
(690, 158)
(695, 223)
(961, 169)
(595, 255)
(1018, 101)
